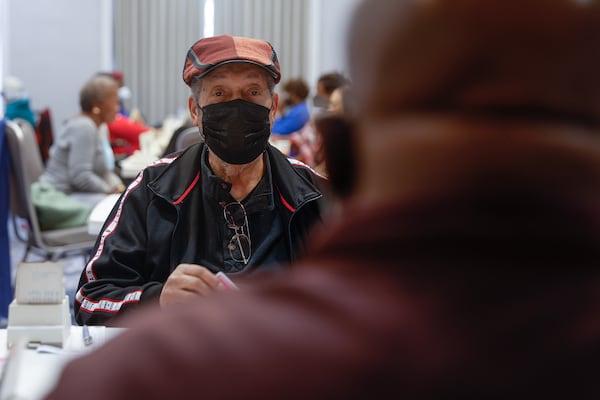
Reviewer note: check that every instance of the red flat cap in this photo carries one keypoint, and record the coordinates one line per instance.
(209, 53)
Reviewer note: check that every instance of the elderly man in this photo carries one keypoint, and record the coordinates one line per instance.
(466, 264)
(234, 204)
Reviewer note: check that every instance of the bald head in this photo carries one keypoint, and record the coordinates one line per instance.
(477, 55)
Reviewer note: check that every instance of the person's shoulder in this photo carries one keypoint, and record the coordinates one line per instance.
(77, 128)
(163, 162)
(299, 109)
(177, 164)
(279, 159)
(156, 168)
(297, 164)
(81, 121)
(304, 106)
(306, 170)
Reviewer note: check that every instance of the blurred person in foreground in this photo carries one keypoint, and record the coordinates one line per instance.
(466, 263)
(231, 204)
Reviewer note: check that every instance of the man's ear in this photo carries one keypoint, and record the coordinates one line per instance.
(274, 108)
(194, 112)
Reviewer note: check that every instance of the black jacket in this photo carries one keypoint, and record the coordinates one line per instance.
(152, 229)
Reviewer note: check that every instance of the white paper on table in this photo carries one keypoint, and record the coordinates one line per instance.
(39, 283)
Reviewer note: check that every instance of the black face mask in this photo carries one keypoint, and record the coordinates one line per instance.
(236, 131)
(320, 101)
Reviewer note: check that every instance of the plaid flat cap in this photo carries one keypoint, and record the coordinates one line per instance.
(209, 53)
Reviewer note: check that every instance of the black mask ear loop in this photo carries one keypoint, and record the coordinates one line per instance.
(199, 113)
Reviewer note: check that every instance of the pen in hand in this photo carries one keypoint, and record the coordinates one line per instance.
(87, 338)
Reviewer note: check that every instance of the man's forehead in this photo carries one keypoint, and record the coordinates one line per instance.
(245, 69)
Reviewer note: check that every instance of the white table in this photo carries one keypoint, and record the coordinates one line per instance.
(31, 374)
(100, 213)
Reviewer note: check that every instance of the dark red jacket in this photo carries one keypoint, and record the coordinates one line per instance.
(488, 288)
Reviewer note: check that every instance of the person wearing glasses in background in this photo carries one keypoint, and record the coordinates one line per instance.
(232, 203)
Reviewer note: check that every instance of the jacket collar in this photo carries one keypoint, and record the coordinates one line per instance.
(184, 173)
(293, 188)
(180, 177)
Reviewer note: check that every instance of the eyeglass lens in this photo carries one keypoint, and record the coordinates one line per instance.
(235, 215)
(239, 246)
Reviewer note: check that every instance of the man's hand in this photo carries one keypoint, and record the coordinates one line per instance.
(187, 282)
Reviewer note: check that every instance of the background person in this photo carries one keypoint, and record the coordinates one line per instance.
(340, 100)
(124, 132)
(232, 203)
(291, 124)
(79, 170)
(78, 159)
(17, 101)
(334, 127)
(124, 93)
(306, 143)
(294, 114)
(326, 84)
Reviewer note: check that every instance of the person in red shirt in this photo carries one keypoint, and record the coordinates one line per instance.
(124, 135)
(124, 132)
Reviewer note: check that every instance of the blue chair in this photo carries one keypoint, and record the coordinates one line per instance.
(6, 292)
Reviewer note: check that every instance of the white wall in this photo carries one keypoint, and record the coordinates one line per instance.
(54, 47)
(3, 35)
(329, 36)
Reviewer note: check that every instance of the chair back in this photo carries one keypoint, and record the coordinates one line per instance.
(26, 166)
(187, 137)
